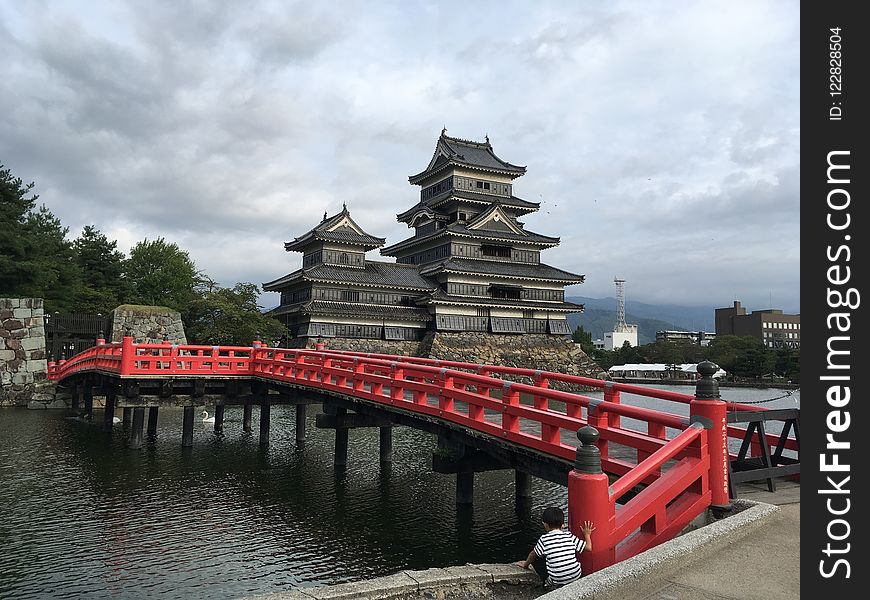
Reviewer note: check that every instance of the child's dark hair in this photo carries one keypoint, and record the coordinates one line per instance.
(554, 517)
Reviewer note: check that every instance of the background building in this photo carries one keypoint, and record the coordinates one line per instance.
(771, 326)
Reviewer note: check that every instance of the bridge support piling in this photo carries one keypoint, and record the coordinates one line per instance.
(88, 393)
(136, 433)
(74, 397)
(109, 413)
(300, 422)
(340, 440)
(152, 420)
(523, 485)
(246, 418)
(187, 428)
(128, 416)
(465, 488)
(219, 418)
(386, 444)
(265, 415)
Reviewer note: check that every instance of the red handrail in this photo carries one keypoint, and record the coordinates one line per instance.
(480, 397)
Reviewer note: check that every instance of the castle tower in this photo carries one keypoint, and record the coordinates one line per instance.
(468, 239)
(338, 293)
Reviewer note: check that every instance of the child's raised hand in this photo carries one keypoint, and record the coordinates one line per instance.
(587, 527)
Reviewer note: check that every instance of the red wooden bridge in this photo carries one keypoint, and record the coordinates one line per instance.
(676, 467)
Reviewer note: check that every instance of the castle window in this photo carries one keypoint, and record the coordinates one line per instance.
(505, 293)
(496, 251)
(349, 296)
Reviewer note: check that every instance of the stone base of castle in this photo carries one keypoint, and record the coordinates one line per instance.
(532, 351)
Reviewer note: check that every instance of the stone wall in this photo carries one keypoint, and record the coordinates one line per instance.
(23, 366)
(148, 324)
(397, 347)
(532, 350)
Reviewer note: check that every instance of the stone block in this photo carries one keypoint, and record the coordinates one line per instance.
(433, 577)
(36, 366)
(469, 574)
(5, 313)
(36, 355)
(13, 324)
(57, 404)
(32, 343)
(507, 573)
(34, 405)
(391, 586)
(7, 355)
(38, 312)
(22, 378)
(22, 313)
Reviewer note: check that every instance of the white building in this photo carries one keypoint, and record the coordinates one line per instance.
(659, 371)
(613, 340)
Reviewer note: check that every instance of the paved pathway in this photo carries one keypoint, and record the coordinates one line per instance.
(764, 565)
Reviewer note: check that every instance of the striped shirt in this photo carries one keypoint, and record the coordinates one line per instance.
(560, 547)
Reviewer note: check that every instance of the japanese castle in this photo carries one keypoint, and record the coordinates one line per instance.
(471, 266)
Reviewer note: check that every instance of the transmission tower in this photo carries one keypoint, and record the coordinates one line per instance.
(620, 305)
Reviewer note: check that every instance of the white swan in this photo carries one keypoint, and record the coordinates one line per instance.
(206, 418)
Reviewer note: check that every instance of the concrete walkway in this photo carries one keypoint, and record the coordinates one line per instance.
(763, 565)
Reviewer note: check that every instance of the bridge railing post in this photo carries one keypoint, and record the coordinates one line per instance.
(708, 409)
(612, 395)
(589, 500)
(397, 376)
(128, 353)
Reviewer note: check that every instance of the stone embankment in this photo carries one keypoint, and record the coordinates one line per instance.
(149, 324)
(501, 582)
(23, 365)
(532, 350)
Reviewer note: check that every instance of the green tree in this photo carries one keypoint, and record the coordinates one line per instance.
(36, 259)
(103, 285)
(17, 247)
(231, 316)
(161, 274)
(741, 356)
(584, 338)
(788, 363)
(56, 275)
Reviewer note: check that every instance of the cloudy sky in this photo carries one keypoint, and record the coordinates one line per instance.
(661, 137)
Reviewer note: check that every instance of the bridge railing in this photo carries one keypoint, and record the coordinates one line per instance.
(694, 478)
(738, 436)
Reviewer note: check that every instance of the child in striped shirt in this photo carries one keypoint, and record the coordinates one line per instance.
(559, 548)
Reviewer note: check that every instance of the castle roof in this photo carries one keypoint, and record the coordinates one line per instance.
(374, 273)
(450, 151)
(516, 204)
(509, 270)
(442, 297)
(340, 228)
(463, 231)
(354, 309)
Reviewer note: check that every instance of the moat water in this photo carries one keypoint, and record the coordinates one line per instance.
(83, 516)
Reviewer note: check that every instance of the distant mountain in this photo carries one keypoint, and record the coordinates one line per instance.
(600, 316)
